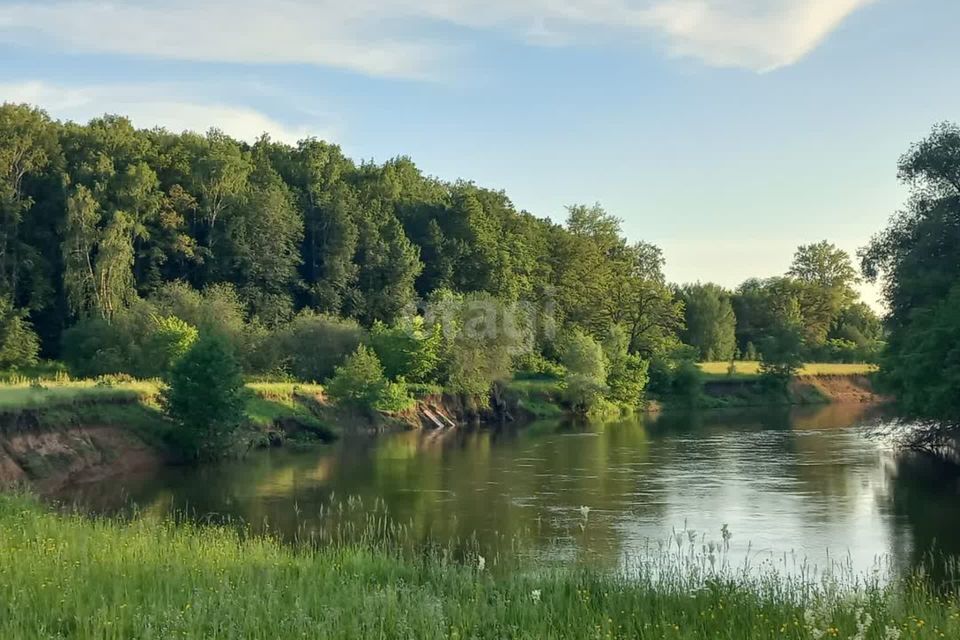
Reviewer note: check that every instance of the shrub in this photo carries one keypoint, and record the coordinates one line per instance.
(138, 341)
(626, 372)
(533, 365)
(217, 309)
(95, 347)
(781, 356)
(359, 383)
(169, 340)
(19, 344)
(205, 397)
(677, 375)
(311, 346)
(585, 384)
(408, 349)
(482, 335)
(687, 382)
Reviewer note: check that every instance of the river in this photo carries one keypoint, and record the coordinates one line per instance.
(807, 485)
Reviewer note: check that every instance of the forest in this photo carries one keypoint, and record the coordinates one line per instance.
(117, 245)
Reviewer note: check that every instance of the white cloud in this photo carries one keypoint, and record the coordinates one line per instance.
(150, 106)
(400, 37)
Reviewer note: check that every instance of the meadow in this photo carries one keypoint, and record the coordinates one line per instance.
(68, 575)
(750, 369)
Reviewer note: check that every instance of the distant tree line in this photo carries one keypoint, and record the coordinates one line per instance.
(116, 244)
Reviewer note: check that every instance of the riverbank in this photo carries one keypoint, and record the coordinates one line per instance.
(71, 576)
(58, 432)
(831, 384)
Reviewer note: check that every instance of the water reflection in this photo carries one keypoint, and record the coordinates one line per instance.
(806, 483)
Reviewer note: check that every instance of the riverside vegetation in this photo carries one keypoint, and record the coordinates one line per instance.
(200, 261)
(74, 576)
(118, 246)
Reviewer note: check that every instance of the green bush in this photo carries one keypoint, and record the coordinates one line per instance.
(19, 345)
(138, 341)
(627, 373)
(687, 381)
(482, 334)
(676, 375)
(585, 384)
(206, 398)
(94, 347)
(169, 340)
(534, 366)
(217, 309)
(311, 346)
(781, 356)
(359, 383)
(408, 349)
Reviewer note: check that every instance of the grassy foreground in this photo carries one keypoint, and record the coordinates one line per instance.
(69, 576)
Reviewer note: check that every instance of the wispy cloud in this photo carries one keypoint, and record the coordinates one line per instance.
(173, 107)
(404, 38)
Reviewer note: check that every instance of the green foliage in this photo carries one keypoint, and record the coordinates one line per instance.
(311, 346)
(676, 375)
(585, 384)
(710, 321)
(205, 397)
(122, 579)
(408, 349)
(169, 340)
(823, 282)
(19, 345)
(29, 157)
(217, 309)
(781, 356)
(627, 373)
(532, 365)
(923, 367)
(481, 336)
(918, 259)
(255, 242)
(95, 346)
(137, 341)
(686, 382)
(359, 383)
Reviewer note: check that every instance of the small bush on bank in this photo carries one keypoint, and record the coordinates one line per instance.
(311, 346)
(359, 383)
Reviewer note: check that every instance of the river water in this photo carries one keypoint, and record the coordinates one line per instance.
(798, 486)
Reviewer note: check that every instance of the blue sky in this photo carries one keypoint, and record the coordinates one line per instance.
(726, 131)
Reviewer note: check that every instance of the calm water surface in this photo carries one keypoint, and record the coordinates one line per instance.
(807, 483)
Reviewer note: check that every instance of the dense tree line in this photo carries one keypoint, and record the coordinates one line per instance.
(917, 258)
(300, 257)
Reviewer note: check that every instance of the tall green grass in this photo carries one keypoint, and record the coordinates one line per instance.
(24, 395)
(68, 576)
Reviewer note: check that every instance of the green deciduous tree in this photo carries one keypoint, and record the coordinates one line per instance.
(408, 349)
(586, 381)
(627, 373)
(311, 346)
(206, 398)
(359, 383)
(28, 149)
(710, 321)
(19, 345)
(918, 259)
(169, 339)
(781, 354)
(98, 257)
